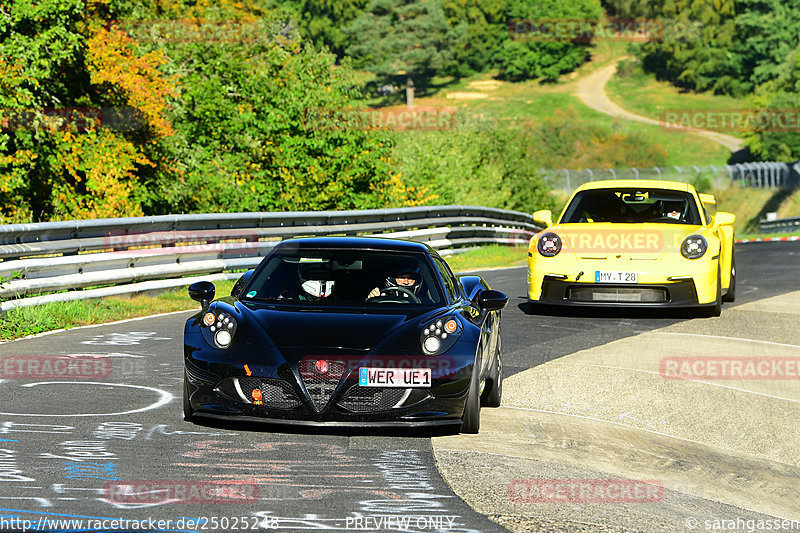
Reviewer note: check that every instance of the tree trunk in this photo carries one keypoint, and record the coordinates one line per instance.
(409, 91)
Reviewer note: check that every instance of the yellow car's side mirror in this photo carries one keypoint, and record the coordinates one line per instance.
(545, 217)
(723, 218)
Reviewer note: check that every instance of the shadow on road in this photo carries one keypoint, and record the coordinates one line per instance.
(607, 312)
(343, 431)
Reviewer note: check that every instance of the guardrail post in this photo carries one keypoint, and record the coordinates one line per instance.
(659, 172)
(566, 173)
(613, 172)
(680, 172)
(591, 174)
(636, 171)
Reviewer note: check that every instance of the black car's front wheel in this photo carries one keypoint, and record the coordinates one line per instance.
(471, 419)
(494, 386)
(188, 412)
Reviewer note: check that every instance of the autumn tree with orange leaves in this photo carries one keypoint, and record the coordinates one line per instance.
(79, 108)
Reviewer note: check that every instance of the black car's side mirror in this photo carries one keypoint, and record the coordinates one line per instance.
(203, 292)
(491, 300)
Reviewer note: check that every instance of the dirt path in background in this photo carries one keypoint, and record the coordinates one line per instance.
(591, 90)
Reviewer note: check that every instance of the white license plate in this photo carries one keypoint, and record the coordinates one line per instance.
(615, 277)
(394, 377)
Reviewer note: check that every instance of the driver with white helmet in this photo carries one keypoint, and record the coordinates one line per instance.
(317, 282)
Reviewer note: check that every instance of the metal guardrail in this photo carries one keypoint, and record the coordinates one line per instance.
(780, 225)
(758, 175)
(96, 258)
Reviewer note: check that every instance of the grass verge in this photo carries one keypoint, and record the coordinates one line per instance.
(25, 321)
(31, 320)
(642, 94)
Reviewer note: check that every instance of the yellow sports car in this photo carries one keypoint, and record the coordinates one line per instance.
(641, 243)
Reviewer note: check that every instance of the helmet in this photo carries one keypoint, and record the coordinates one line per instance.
(315, 280)
(673, 206)
(405, 275)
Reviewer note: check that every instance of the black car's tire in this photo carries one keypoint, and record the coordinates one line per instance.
(730, 296)
(494, 383)
(471, 419)
(188, 412)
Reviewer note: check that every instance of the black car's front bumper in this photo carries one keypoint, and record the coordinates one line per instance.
(220, 390)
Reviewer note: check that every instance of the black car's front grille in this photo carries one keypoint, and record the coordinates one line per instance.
(618, 294)
(275, 394)
(278, 395)
(320, 385)
(362, 399)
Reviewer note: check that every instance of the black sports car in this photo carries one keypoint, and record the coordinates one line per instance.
(346, 331)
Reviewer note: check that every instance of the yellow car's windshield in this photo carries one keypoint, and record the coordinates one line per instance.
(632, 206)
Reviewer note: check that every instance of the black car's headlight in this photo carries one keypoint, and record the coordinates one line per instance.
(694, 247)
(549, 245)
(440, 335)
(222, 327)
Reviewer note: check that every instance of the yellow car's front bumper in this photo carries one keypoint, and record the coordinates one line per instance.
(565, 281)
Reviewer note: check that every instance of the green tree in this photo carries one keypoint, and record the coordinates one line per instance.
(479, 28)
(323, 21)
(523, 57)
(59, 67)
(405, 37)
(256, 130)
(780, 97)
(727, 46)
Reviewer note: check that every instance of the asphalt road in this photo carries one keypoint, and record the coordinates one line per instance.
(69, 448)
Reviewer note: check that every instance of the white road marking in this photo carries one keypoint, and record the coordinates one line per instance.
(164, 398)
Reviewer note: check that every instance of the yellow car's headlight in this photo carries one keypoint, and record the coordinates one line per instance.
(549, 245)
(694, 247)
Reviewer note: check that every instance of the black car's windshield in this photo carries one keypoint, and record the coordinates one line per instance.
(632, 206)
(350, 278)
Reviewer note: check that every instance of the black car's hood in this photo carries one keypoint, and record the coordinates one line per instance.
(355, 331)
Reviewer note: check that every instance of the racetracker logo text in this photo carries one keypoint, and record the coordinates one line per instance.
(731, 120)
(72, 119)
(55, 367)
(183, 492)
(395, 119)
(730, 368)
(336, 366)
(585, 31)
(603, 241)
(585, 491)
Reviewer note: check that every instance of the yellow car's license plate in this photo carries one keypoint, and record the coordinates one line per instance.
(601, 276)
